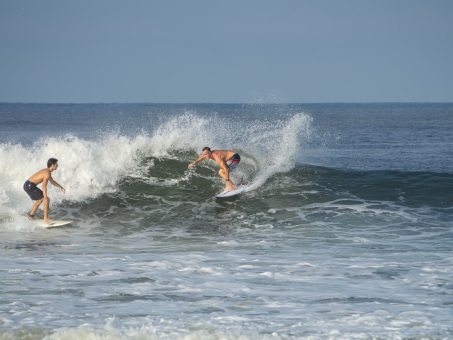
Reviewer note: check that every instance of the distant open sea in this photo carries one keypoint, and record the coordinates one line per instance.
(346, 230)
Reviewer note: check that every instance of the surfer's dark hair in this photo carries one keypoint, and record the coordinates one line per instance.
(51, 162)
(206, 148)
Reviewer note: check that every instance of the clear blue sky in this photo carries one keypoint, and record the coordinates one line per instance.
(235, 51)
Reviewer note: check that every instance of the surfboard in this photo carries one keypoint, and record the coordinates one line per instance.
(238, 190)
(52, 224)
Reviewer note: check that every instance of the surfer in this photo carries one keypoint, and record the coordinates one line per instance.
(30, 186)
(227, 160)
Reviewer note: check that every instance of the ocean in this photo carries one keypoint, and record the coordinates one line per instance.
(346, 229)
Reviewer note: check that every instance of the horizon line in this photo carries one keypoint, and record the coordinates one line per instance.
(225, 103)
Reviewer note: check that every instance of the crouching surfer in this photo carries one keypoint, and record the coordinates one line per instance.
(227, 160)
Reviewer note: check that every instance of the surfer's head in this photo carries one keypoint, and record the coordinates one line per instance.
(206, 151)
(51, 162)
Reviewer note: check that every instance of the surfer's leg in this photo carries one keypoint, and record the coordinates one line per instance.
(222, 174)
(35, 207)
(36, 195)
(46, 210)
(229, 186)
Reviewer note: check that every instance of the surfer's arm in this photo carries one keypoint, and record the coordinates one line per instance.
(198, 160)
(54, 182)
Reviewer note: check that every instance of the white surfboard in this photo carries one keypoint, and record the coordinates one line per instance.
(52, 224)
(239, 189)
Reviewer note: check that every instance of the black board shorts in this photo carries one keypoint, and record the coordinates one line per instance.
(33, 191)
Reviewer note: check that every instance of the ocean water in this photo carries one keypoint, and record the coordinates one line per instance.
(345, 232)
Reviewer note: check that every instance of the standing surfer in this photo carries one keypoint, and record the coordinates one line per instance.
(227, 160)
(30, 186)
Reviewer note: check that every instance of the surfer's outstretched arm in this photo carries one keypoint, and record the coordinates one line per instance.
(206, 154)
(198, 160)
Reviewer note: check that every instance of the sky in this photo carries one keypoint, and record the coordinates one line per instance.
(235, 51)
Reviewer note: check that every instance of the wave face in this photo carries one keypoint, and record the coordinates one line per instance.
(159, 151)
(345, 230)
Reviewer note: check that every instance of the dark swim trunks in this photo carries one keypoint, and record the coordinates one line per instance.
(233, 162)
(33, 191)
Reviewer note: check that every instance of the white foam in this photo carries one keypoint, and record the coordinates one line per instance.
(87, 168)
(185, 132)
(161, 329)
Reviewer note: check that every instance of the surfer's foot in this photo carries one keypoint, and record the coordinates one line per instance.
(31, 217)
(229, 188)
(49, 220)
